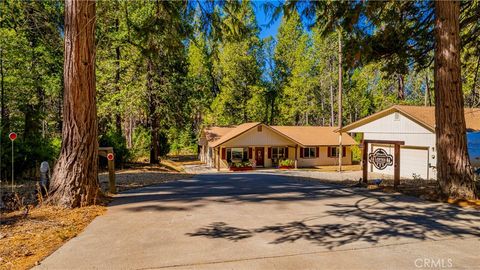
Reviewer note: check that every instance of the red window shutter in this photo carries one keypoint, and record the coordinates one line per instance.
(250, 153)
(269, 152)
(224, 153)
(329, 150)
(286, 152)
(317, 152)
(301, 152)
(344, 151)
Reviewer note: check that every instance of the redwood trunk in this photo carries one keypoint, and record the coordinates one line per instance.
(74, 181)
(454, 172)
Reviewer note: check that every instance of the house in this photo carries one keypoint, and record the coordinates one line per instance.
(415, 126)
(265, 145)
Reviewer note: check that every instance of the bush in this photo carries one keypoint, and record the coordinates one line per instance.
(356, 153)
(140, 144)
(287, 163)
(241, 164)
(116, 140)
(28, 154)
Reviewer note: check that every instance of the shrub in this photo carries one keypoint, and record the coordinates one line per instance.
(116, 140)
(241, 164)
(287, 163)
(140, 144)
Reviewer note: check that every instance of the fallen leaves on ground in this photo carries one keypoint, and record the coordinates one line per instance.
(27, 239)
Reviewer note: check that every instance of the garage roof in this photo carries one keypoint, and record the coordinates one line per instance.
(423, 115)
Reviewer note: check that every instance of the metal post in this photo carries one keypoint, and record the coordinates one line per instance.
(12, 168)
(340, 150)
(111, 176)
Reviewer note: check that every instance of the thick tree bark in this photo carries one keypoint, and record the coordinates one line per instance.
(454, 172)
(74, 181)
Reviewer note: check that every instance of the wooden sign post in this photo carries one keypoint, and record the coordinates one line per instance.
(380, 160)
(108, 153)
(13, 137)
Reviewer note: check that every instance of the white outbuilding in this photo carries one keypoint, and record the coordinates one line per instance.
(415, 127)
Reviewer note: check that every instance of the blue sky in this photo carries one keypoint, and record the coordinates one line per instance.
(263, 19)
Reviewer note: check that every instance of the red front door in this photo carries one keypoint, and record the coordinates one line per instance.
(259, 156)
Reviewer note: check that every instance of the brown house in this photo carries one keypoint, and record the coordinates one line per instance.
(265, 146)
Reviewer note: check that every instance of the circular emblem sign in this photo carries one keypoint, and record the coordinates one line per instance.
(12, 136)
(110, 156)
(380, 159)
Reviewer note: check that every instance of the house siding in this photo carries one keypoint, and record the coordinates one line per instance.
(418, 151)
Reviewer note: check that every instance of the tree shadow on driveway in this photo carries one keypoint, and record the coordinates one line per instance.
(370, 219)
(229, 188)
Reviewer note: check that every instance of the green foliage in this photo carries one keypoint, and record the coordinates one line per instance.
(241, 164)
(113, 138)
(286, 163)
(182, 142)
(141, 144)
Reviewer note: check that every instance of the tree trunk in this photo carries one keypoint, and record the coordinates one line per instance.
(401, 88)
(428, 99)
(74, 181)
(118, 117)
(454, 172)
(473, 95)
(152, 115)
(332, 104)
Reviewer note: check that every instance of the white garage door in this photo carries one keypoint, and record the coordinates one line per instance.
(412, 161)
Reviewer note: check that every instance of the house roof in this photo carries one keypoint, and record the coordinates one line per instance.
(303, 135)
(234, 132)
(314, 135)
(214, 133)
(423, 115)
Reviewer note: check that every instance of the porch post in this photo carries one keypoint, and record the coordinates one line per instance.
(218, 159)
(296, 155)
(365, 162)
(396, 166)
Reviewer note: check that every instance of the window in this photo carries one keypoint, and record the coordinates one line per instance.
(278, 153)
(309, 152)
(259, 128)
(397, 116)
(237, 154)
(334, 151)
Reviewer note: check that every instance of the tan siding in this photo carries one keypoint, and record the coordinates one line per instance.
(256, 138)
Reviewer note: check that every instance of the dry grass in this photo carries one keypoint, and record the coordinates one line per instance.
(27, 239)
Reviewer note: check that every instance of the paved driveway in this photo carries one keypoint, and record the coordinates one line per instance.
(264, 221)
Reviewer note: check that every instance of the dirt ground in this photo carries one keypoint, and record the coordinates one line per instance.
(33, 231)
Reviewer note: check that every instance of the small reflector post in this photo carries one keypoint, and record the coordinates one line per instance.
(12, 136)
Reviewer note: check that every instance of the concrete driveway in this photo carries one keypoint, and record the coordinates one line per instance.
(265, 221)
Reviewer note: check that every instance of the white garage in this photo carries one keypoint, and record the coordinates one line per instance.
(414, 126)
(413, 161)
